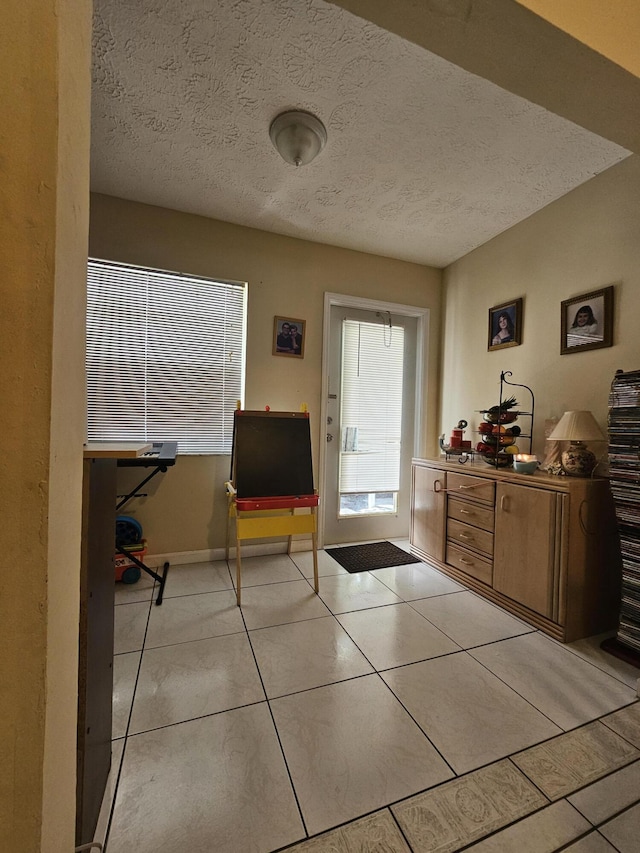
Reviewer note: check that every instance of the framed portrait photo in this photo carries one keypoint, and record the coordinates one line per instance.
(505, 325)
(586, 321)
(288, 337)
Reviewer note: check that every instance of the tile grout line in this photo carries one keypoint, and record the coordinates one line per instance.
(401, 831)
(568, 647)
(524, 698)
(377, 672)
(507, 826)
(547, 804)
(248, 631)
(581, 787)
(273, 721)
(616, 814)
(126, 732)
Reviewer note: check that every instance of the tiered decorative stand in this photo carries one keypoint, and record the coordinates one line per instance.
(502, 415)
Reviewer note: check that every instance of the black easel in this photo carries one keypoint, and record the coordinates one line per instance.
(160, 457)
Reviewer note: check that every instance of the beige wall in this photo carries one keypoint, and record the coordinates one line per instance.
(44, 88)
(610, 28)
(68, 422)
(186, 509)
(582, 242)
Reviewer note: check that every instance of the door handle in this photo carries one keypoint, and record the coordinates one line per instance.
(437, 486)
(504, 503)
(329, 437)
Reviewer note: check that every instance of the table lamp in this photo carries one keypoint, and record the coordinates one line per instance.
(576, 428)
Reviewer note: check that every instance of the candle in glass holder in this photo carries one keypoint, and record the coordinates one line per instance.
(525, 463)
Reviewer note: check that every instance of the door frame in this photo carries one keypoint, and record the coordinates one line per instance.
(422, 331)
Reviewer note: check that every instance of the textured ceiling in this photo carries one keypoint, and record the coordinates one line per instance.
(423, 162)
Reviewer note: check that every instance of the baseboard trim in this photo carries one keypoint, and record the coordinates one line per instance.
(209, 555)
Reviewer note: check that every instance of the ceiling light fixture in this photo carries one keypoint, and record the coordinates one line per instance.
(298, 136)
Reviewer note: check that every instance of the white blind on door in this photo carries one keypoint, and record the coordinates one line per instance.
(371, 407)
(165, 357)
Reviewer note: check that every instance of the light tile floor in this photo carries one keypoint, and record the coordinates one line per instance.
(396, 712)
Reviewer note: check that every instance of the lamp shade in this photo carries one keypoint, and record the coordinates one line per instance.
(577, 426)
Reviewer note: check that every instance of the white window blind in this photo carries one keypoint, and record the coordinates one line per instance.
(165, 357)
(371, 407)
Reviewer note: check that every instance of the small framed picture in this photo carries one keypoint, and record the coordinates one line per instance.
(586, 321)
(288, 337)
(505, 325)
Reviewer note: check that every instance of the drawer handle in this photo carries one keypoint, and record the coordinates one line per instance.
(466, 562)
(472, 486)
(465, 512)
(465, 536)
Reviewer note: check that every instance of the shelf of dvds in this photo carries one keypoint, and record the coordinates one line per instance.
(624, 476)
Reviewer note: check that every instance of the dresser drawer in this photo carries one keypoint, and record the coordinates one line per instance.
(473, 488)
(479, 516)
(473, 565)
(470, 537)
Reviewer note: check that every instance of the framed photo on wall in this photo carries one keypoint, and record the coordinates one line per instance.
(586, 321)
(288, 337)
(505, 325)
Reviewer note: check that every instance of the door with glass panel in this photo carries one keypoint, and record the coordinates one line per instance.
(370, 425)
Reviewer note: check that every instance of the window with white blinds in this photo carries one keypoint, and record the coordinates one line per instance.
(165, 357)
(371, 407)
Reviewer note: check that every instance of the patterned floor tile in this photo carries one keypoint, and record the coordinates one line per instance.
(544, 832)
(467, 809)
(566, 763)
(376, 833)
(626, 723)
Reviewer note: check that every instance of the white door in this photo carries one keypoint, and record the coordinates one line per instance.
(370, 415)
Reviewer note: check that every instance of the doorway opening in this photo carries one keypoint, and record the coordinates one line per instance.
(373, 356)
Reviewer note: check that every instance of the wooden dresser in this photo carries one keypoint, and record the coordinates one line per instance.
(543, 547)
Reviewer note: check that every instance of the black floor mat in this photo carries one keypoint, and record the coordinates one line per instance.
(374, 555)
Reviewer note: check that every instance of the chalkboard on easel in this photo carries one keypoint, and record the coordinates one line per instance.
(271, 454)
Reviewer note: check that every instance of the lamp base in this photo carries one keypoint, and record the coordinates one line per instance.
(578, 460)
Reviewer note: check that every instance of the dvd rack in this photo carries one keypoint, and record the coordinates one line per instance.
(624, 475)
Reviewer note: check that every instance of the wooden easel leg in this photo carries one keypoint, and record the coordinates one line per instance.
(238, 572)
(314, 545)
(290, 539)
